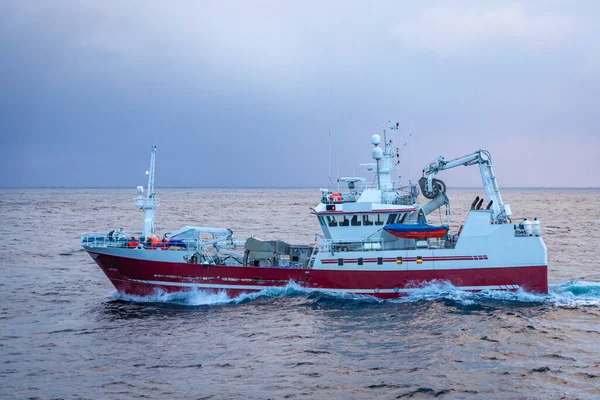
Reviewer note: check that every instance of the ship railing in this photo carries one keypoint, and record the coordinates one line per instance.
(404, 200)
(372, 244)
(116, 238)
(519, 232)
(120, 239)
(323, 243)
(358, 245)
(395, 186)
(328, 245)
(345, 199)
(140, 201)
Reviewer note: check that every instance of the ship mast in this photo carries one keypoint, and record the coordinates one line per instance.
(384, 171)
(149, 203)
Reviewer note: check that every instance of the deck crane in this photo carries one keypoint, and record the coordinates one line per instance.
(430, 187)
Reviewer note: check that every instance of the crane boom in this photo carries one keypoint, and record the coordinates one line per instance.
(501, 212)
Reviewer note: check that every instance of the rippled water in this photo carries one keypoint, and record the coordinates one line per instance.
(65, 333)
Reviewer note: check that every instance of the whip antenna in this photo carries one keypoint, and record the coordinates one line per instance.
(329, 158)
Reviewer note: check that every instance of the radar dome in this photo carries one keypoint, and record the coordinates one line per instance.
(140, 189)
(375, 139)
(377, 153)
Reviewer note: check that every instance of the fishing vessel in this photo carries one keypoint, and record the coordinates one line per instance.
(376, 240)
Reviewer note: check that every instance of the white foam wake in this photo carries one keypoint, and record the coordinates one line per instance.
(575, 293)
(200, 297)
(567, 294)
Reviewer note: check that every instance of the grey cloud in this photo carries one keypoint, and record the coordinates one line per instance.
(245, 93)
(452, 28)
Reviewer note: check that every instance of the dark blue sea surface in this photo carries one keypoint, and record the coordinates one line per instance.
(66, 333)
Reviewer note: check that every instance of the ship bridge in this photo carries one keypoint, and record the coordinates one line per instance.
(359, 221)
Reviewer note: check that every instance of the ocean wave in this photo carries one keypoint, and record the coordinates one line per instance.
(200, 297)
(576, 293)
(567, 294)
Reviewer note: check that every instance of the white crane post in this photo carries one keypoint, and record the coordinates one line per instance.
(490, 186)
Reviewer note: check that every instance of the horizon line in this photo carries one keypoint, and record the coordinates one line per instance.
(269, 187)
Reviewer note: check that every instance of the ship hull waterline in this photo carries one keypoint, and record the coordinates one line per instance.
(145, 277)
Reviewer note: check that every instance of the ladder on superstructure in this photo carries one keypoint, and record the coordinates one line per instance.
(313, 257)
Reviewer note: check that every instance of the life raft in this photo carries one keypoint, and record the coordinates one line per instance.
(133, 242)
(152, 243)
(416, 231)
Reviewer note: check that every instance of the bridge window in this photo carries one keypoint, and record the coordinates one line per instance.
(331, 221)
(345, 221)
(355, 221)
(391, 219)
(367, 220)
(379, 219)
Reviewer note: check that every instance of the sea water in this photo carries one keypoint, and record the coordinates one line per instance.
(66, 333)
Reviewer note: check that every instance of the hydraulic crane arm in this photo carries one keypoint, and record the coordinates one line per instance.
(501, 212)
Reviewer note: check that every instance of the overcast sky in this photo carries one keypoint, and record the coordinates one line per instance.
(241, 93)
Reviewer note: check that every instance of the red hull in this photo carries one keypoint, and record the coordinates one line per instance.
(142, 278)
